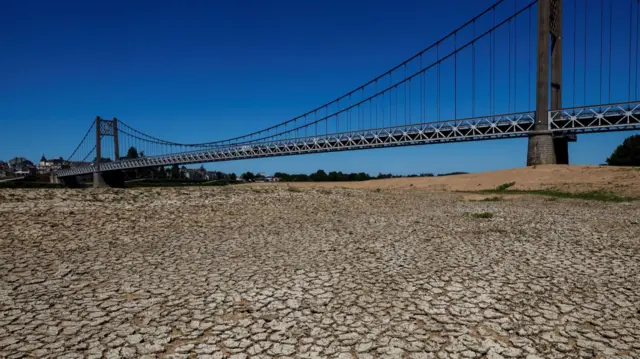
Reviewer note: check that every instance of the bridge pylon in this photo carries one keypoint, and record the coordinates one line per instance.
(543, 147)
(108, 128)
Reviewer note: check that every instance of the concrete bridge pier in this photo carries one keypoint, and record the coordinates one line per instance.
(69, 181)
(54, 179)
(541, 149)
(113, 179)
(98, 180)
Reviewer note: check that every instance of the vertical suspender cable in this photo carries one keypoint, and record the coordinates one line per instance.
(349, 112)
(397, 104)
(601, 42)
(493, 64)
(455, 76)
(326, 120)
(438, 82)
(410, 108)
(426, 85)
(575, 24)
(473, 73)
(584, 88)
(610, 44)
(377, 101)
(391, 101)
(509, 71)
(491, 69)
(515, 59)
(637, 45)
(630, 44)
(422, 75)
(529, 56)
(363, 115)
(406, 83)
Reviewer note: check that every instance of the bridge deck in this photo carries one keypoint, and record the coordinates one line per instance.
(600, 118)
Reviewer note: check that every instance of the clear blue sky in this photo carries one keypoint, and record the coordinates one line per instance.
(196, 71)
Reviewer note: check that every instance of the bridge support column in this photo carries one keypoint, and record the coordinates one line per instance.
(560, 143)
(542, 146)
(98, 180)
(540, 150)
(53, 178)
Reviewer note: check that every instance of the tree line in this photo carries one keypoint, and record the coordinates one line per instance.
(626, 154)
(338, 176)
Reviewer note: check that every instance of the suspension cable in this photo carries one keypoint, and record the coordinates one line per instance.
(93, 123)
(435, 64)
(492, 7)
(391, 88)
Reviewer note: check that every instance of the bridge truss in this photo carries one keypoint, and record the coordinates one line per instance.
(616, 117)
(490, 66)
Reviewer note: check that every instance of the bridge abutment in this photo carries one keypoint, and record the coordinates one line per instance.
(70, 181)
(113, 179)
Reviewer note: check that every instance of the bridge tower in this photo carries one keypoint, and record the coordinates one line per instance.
(543, 147)
(108, 128)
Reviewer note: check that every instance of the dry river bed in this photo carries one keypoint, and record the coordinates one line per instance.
(315, 273)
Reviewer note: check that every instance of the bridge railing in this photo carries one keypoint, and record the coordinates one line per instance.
(597, 118)
(610, 117)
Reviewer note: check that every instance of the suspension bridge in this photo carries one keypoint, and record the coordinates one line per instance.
(499, 75)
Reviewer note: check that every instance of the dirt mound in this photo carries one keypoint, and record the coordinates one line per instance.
(620, 180)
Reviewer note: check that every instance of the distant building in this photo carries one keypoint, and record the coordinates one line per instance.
(19, 161)
(25, 171)
(47, 166)
(192, 174)
(211, 175)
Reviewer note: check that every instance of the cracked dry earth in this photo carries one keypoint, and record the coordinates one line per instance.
(276, 273)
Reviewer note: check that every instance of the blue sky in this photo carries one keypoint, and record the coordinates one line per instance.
(197, 71)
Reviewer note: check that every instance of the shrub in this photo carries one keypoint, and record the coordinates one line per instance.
(505, 186)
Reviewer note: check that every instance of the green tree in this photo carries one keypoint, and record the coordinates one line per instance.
(626, 154)
(132, 153)
(102, 159)
(319, 176)
(233, 177)
(248, 176)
